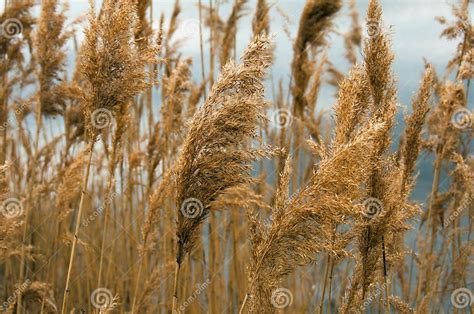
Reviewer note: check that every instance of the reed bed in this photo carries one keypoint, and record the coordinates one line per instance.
(136, 180)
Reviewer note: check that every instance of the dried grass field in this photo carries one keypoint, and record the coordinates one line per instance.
(137, 177)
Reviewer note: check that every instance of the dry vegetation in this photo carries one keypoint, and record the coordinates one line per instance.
(128, 186)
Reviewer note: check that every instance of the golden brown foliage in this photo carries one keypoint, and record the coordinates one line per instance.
(144, 160)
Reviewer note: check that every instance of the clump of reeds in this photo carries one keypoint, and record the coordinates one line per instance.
(301, 226)
(113, 69)
(153, 173)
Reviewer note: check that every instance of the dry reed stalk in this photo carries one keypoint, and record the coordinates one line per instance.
(212, 41)
(261, 18)
(157, 199)
(353, 39)
(68, 191)
(214, 155)
(230, 31)
(12, 59)
(114, 72)
(76, 230)
(48, 42)
(315, 22)
(122, 120)
(447, 143)
(301, 228)
(201, 48)
(175, 87)
(240, 197)
(45, 174)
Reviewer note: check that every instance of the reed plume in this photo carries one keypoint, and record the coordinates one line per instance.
(230, 31)
(12, 58)
(112, 64)
(314, 24)
(113, 68)
(377, 64)
(411, 146)
(216, 154)
(261, 18)
(446, 145)
(381, 242)
(353, 39)
(460, 29)
(353, 105)
(166, 138)
(301, 228)
(141, 160)
(49, 42)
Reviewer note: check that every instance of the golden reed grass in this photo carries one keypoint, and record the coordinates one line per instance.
(134, 184)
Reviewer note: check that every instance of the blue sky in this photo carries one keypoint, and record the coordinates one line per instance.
(411, 23)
